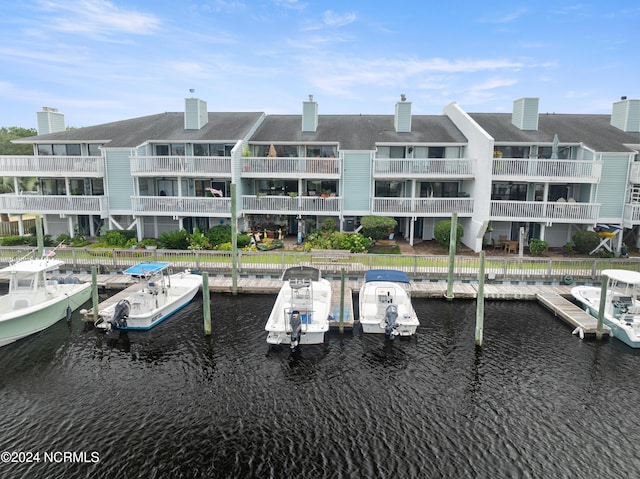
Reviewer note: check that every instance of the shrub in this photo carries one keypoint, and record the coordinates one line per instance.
(174, 239)
(115, 239)
(538, 247)
(14, 240)
(377, 227)
(243, 240)
(198, 240)
(219, 234)
(442, 233)
(586, 241)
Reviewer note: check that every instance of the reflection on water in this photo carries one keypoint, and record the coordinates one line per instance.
(533, 402)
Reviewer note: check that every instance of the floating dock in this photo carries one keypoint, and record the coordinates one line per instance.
(347, 319)
(572, 314)
(87, 315)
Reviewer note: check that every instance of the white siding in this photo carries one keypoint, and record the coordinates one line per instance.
(356, 182)
(119, 179)
(525, 113)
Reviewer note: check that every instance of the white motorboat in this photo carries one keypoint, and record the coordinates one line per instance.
(385, 304)
(34, 302)
(300, 314)
(157, 296)
(622, 308)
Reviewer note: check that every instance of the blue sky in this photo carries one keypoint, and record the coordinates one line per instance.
(99, 61)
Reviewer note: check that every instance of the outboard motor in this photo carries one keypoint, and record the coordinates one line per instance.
(296, 329)
(390, 316)
(120, 313)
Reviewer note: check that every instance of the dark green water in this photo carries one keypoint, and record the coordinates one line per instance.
(169, 403)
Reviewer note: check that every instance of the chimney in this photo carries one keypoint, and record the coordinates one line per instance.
(625, 115)
(402, 118)
(195, 113)
(525, 114)
(50, 121)
(309, 115)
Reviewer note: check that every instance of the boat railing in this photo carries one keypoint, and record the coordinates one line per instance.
(273, 263)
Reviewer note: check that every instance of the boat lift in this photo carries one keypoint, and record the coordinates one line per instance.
(607, 233)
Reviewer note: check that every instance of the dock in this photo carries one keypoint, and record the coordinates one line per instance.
(552, 297)
(348, 320)
(87, 315)
(583, 322)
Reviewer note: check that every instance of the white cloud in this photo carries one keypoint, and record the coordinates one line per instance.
(503, 17)
(98, 17)
(332, 19)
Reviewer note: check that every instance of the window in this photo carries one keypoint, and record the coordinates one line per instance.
(73, 150)
(200, 149)
(509, 191)
(177, 149)
(317, 151)
(162, 150)
(45, 150)
(389, 189)
(511, 152)
(439, 189)
(94, 149)
(436, 152)
(59, 150)
(391, 152)
(564, 153)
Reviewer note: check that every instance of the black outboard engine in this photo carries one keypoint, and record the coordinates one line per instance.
(296, 329)
(390, 316)
(120, 313)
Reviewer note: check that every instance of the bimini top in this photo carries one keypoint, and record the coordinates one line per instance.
(623, 275)
(146, 269)
(391, 275)
(301, 273)
(33, 266)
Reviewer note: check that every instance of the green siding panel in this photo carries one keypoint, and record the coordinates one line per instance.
(356, 185)
(613, 184)
(119, 179)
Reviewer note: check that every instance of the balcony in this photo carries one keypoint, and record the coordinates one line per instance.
(545, 212)
(180, 206)
(307, 168)
(423, 206)
(187, 166)
(54, 204)
(303, 205)
(571, 171)
(421, 168)
(631, 215)
(634, 177)
(59, 166)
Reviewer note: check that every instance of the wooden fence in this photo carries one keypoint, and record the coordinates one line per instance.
(11, 228)
(260, 264)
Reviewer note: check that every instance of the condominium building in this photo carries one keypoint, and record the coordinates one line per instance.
(531, 173)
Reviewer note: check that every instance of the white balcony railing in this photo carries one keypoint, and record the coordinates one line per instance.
(423, 168)
(634, 177)
(180, 206)
(284, 204)
(574, 171)
(423, 206)
(65, 166)
(259, 167)
(76, 205)
(192, 166)
(549, 212)
(631, 215)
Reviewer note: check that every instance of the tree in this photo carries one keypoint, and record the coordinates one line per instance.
(13, 133)
(7, 148)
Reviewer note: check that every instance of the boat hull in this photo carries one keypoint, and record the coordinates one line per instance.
(184, 288)
(627, 332)
(18, 324)
(314, 314)
(373, 302)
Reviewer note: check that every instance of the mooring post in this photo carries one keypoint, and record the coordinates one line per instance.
(341, 326)
(94, 292)
(452, 255)
(234, 241)
(480, 302)
(39, 236)
(206, 304)
(603, 301)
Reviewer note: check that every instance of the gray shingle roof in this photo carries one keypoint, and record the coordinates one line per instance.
(221, 127)
(358, 132)
(595, 131)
